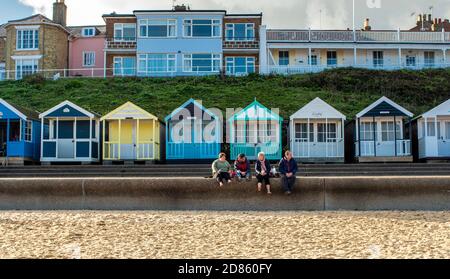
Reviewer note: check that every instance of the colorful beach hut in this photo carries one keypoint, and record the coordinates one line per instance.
(20, 134)
(256, 129)
(317, 133)
(72, 136)
(131, 134)
(193, 133)
(434, 133)
(381, 135)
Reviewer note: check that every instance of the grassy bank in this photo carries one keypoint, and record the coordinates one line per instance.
(349, 90)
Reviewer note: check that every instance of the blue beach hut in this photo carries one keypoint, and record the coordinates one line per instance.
(20, 134)
(72, 137)
(193, 132)
(256, 129)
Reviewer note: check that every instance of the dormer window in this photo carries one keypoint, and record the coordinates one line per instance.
(88, 32)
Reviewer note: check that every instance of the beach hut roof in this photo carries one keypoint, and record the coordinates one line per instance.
(67, 109)
(256, 111)
(384, 107)
(24, 113)
(318, 109)
(129, 111)
(441, 110)
(190, 103)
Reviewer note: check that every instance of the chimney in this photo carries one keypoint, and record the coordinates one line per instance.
(430, 19)
(440, 21)
(60, 12)
(367, 26)
(419, 19)
(180, 8)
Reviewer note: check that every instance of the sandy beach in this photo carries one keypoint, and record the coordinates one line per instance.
(224, 235)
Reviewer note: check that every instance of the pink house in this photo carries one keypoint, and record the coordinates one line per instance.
(86, 56)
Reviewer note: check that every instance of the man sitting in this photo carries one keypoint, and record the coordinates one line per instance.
(242, 168)
(288, 169)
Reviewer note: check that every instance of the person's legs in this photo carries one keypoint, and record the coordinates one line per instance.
(227, 177)
(248, 176)
(220, 179)
(239, 176)
(260, 181)
(285, 183)
(267, 181)
(291, 183)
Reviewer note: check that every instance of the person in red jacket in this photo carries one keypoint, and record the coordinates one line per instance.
(242, 168)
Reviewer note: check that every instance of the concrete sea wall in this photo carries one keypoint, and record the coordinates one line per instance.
(329, 193)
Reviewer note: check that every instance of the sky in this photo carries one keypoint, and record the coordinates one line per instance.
(292, 14)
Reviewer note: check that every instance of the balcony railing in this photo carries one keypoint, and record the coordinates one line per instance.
(121, 43)
(357, 36)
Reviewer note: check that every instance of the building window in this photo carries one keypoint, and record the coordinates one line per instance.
(283, 57)
(28, 39)
(301, 132)
(326, 133)
(367, 132)
(2, 71)
(124, 32)
(156, 63)
(28, 131)
(388, 131)
(201, 62)
(331, 58)
(410, 61)
(199, 28)
(312, 60)
(88, 32)
(124, 66)
(240, 32)
(88, 59)
(378, 59)
(26, 67)
(429, 58)
(158, 28)
(240, 65)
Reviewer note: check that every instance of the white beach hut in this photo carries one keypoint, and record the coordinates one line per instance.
(433, 129)
(317, 133)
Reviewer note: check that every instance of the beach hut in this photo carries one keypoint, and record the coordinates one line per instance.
(256, 129)
(317, 133)
(380, 133)
(131, 134)
(20, 134)
(72, 137)
(193, 133)
(434, 133)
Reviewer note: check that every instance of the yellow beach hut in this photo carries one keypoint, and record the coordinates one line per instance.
(131, 134)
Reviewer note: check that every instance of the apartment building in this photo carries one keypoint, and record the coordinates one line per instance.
(181, 42)
(299, 51)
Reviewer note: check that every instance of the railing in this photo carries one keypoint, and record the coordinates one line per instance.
(272, 150)
(121, 43)
(331, 149)
(369, 148)
(290, 70)
(357, 36)
(111, 150)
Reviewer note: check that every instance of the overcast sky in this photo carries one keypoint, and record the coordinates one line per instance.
(336, 14)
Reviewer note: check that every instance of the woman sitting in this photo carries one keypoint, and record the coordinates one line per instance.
(242, 168)
(263, 172)
(222, 169)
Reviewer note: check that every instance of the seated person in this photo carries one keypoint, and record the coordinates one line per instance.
(263, 172)
(222, 169)
(242, 168)
(288, 169)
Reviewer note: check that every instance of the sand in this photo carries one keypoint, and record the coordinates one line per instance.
(224, 235)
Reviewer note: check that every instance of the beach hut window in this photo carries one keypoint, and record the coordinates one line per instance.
(14, 130)
(301, 132)
(388, 131)
(367, 131)
(28, 131)
(431, 127)
(447, 130)
(83, 129)
(326, 133)
(240, 136)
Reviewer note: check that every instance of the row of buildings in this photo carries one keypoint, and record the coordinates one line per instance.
(185, 42)
(317, 133)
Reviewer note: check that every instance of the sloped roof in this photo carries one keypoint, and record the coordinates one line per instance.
(318, 109)
(35, 19)
(76, 30)
(129, 110)
(441, 110)
(68, 104)
(22, 112)
(256, 111)
(387, 102)
(190, 104)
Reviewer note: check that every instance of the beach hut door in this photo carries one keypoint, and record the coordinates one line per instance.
(444, 140)
(66, 139)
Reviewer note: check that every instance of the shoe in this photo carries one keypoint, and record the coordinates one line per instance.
(229, 181)
(221, 184)
(269, 193)
(288, 193)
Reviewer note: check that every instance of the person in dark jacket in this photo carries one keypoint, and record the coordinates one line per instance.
(288, 169)
(242, 168)
(263, 169)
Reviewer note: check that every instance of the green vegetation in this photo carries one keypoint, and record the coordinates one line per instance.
(348, 90)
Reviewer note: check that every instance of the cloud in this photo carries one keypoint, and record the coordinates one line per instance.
(336, 14)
